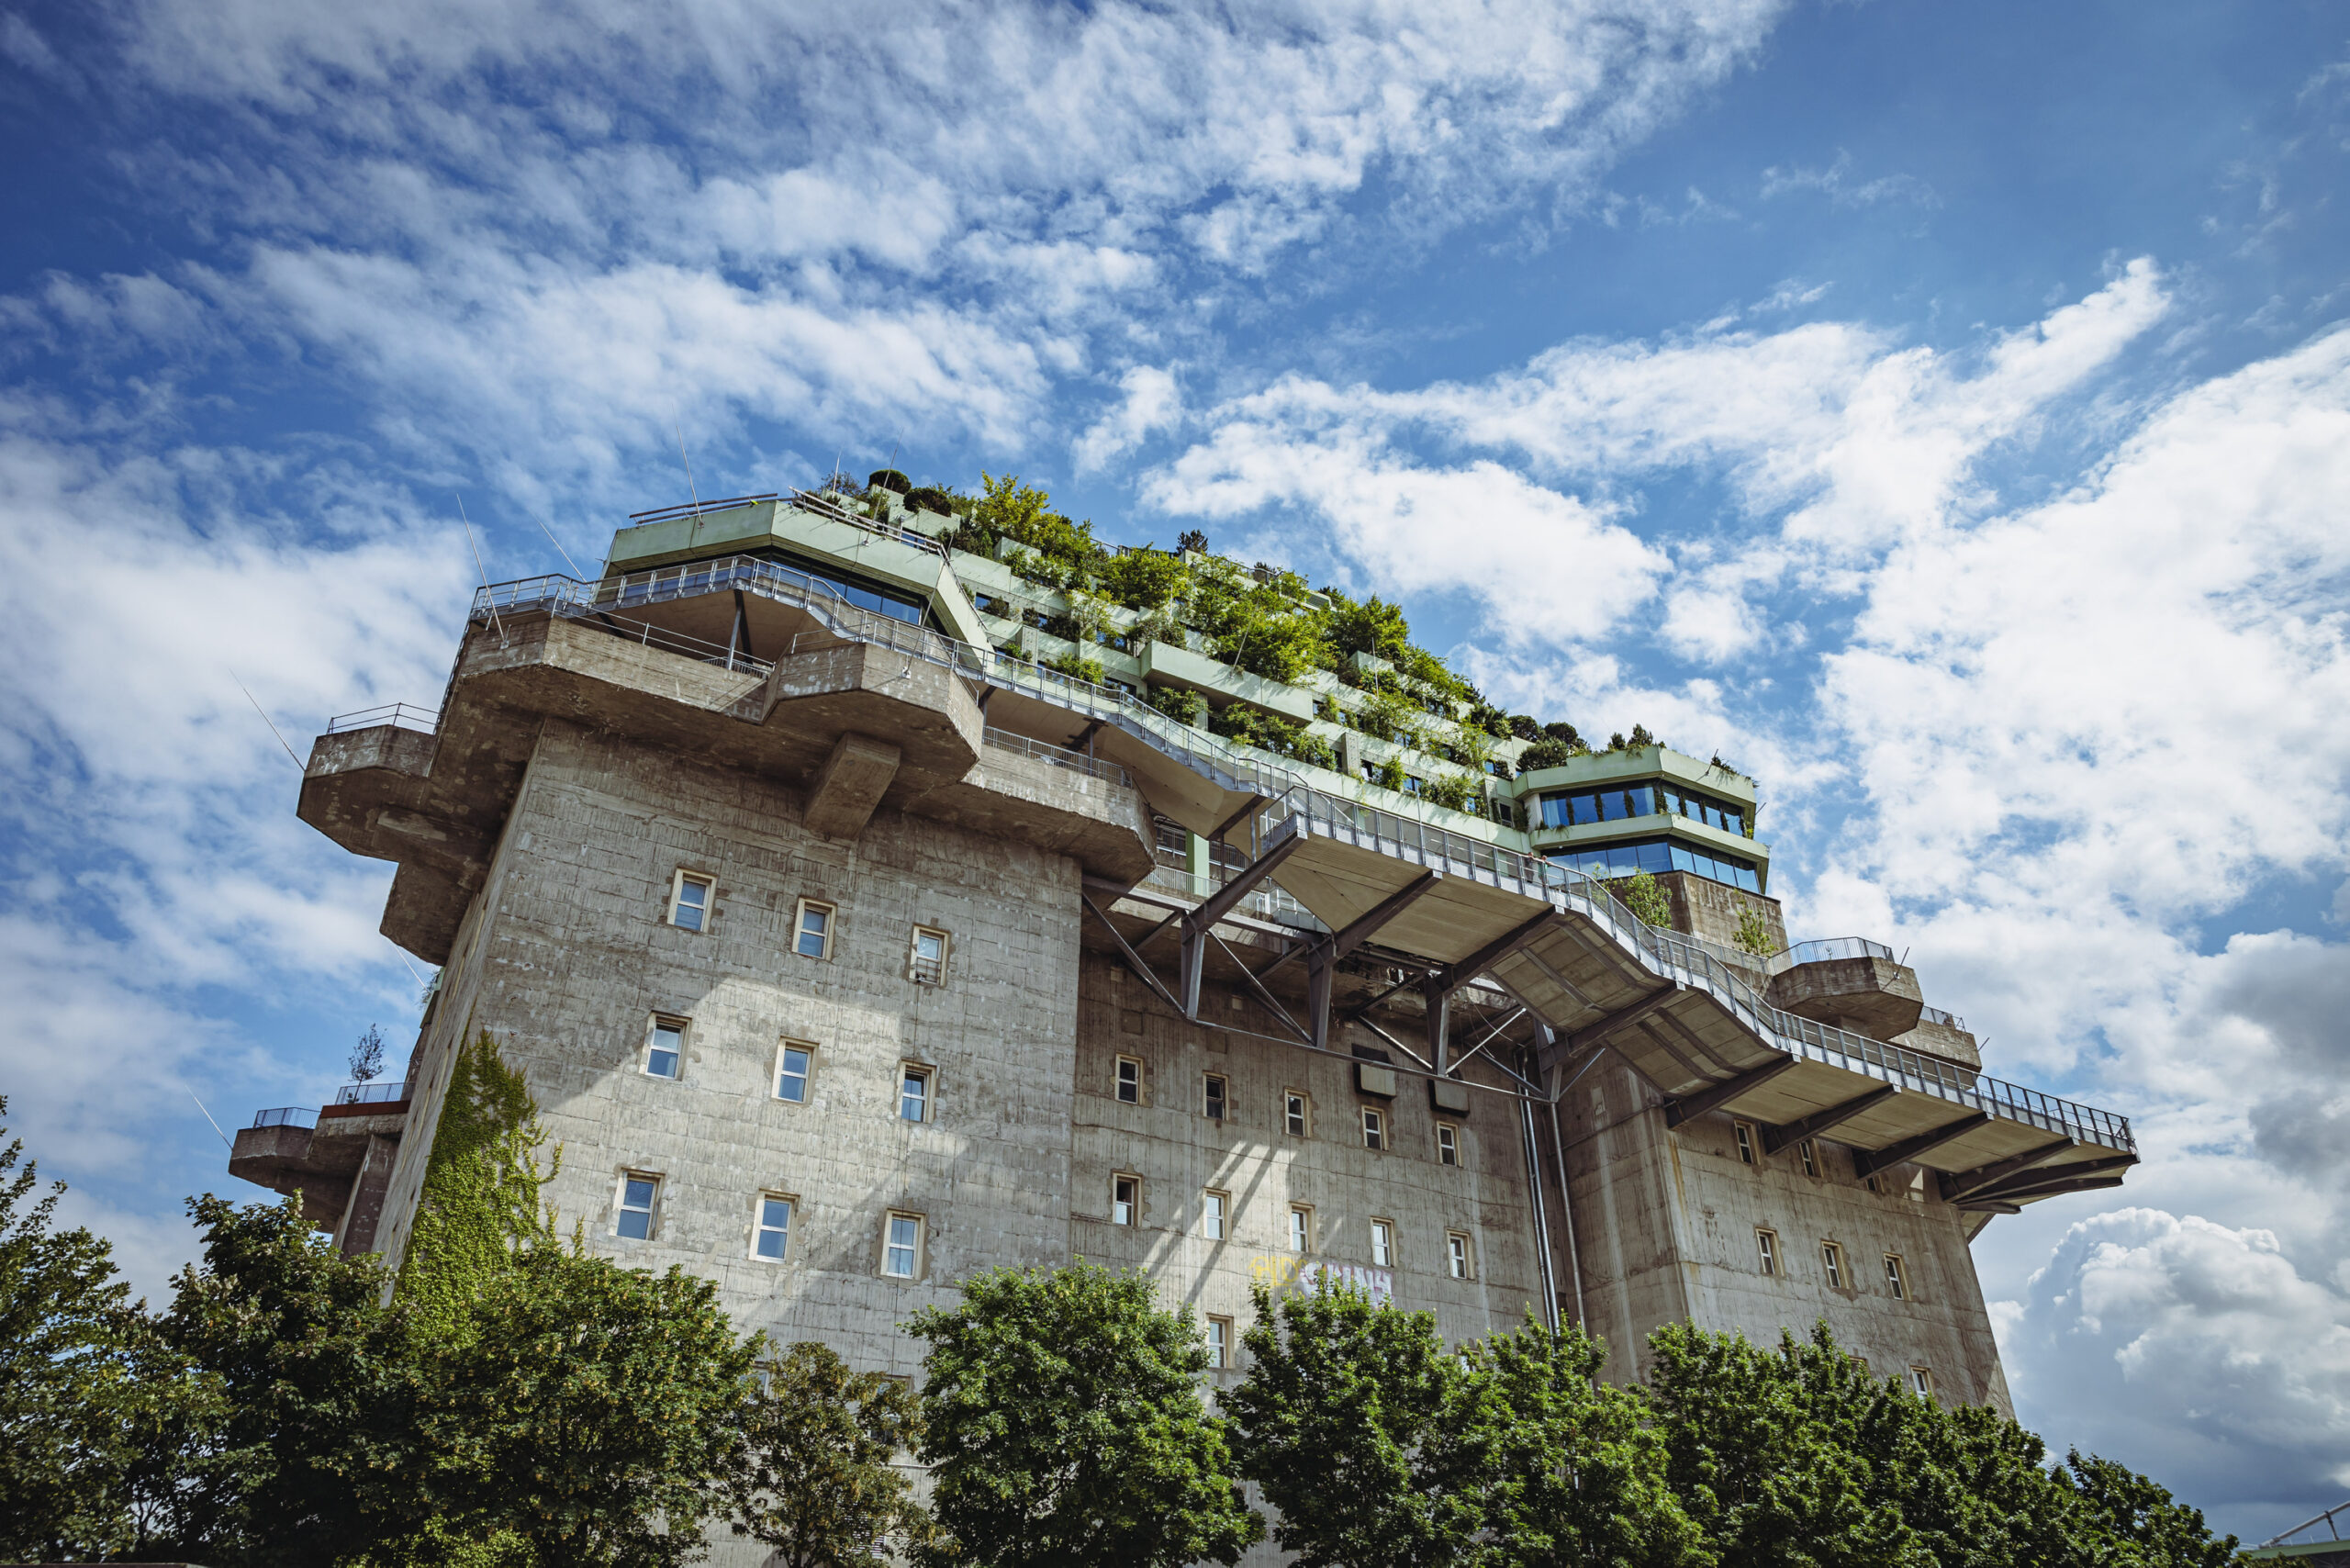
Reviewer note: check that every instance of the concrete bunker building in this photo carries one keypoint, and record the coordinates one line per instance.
(850, 947)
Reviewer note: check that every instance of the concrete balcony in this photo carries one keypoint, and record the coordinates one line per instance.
(1851, 984)
(338, 1157)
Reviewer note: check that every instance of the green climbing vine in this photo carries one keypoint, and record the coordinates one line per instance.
(482, 1182)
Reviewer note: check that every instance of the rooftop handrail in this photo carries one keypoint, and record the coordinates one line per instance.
(808, 500)
(1828, 949)
(2326, 1519)
(695, 508)
(405, 715)
(286, 1116)
(1936, 1015)
(1058, 756)
(385, 1094)
(1288, 796)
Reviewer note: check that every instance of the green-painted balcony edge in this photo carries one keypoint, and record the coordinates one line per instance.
(776, 525)
(1644, 762)
(1592, 836)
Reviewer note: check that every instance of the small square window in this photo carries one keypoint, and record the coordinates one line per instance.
(1895, 1280)
(771, 1235)
(1125, 1199)
(1215, 1212)
(1383, 1243)
(665, 1048)
(927, 964)
(811, 929)
(901, 1246)
(1766, 1247)
(1810, 1157)
(639, 1195)
(793, 1063)
(1293, 1113)
(1448, 1144)
(1375, 1129)
(1458, 1261)
(1215, 1101)
(1745, 1132)
(913, 1094)
(689, 899)
(1832, 1259)
(1301, 1228)
(1129, 1081)
(1219, 1342)
(1921, 1381)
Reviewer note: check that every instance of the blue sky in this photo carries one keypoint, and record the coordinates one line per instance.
(1944, 411)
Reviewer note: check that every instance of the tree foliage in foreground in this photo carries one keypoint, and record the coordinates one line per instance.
(819, 1487)
(1064, 1426)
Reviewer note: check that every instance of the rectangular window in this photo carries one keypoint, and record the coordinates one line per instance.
(927, 964)
(901, 1246)
(1301, 1228)
(1921, 1381)
(1745, 1142)
(772, 1236)
(1383, 1243)
(639, 1193)
(812, 930)
(1125, 1197)
(690, 901)
(914, 1094)
(1448, 1144)
(665, 1048)
(1810, 1157)
(1767, 1247)
(1129, 1081)
(1213, 1090)
(1832, 1259)
(1293, 1113)
(1215, 1209)
(1375, 1129)
(1894, 1280)
(792, 1065)
(1456, 1261)
(1219, 1342)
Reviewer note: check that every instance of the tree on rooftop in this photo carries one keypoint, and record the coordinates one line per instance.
(1373, 627)
(1063, 1425)
(819, 1488)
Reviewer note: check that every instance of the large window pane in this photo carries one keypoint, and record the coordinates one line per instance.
(1642, 802)
(1586, 807)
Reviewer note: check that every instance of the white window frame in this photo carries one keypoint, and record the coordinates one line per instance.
(928, 971)
(621, 1208)
(1448, 1144)
(703, 912)
(1297, 1114)
(1383, 1243)
(653, 1025)
(1219, 1340)
(923, 1074)
(1749, 1153)
(760, 1227)
(1375, 1128)
(832, 913)
(1897, 1276)
(1459, 1255)
(1215, 1214)
(1767, 1249)
(1125, 1199)
(890, 1246)
(1124, 1080)
(1809, 1152)
(1832, 1259)
(1215, 1097)
(807, 1075)
(1301, 1229)
(1921, 1381)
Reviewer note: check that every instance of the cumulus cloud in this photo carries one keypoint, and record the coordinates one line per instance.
(1152, 403)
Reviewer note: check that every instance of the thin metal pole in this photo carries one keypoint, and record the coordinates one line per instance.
(1541, 1212)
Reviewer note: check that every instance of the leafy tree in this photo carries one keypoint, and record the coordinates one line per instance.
(817, 1486)
(1362, 1430)
(1064, 1426)
(80, 1399)
(480, 1199)
(1644, 896)
(1640, 737)
(1145, 579)
(1577, 1475)
(1373, 627)
(1754, 934)
(590, 1415)
(2141, 1522)
(1547, 752)
(1193, 540)
(367, 1056)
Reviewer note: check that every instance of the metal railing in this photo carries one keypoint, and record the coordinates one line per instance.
(371, 1093)
(1828, 949)
(286, 1116)
(696, 509)
(1290, 801)
(897, 532)
(2326, 1519)
(406, 715)
(1056, 755)
(1936, 1015)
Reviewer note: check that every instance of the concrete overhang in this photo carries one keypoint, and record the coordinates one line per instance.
(318, 1162)
(1867, 995)
(1603, 768)
(1595, 835)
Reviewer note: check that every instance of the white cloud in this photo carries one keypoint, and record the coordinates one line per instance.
(1153, 402)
